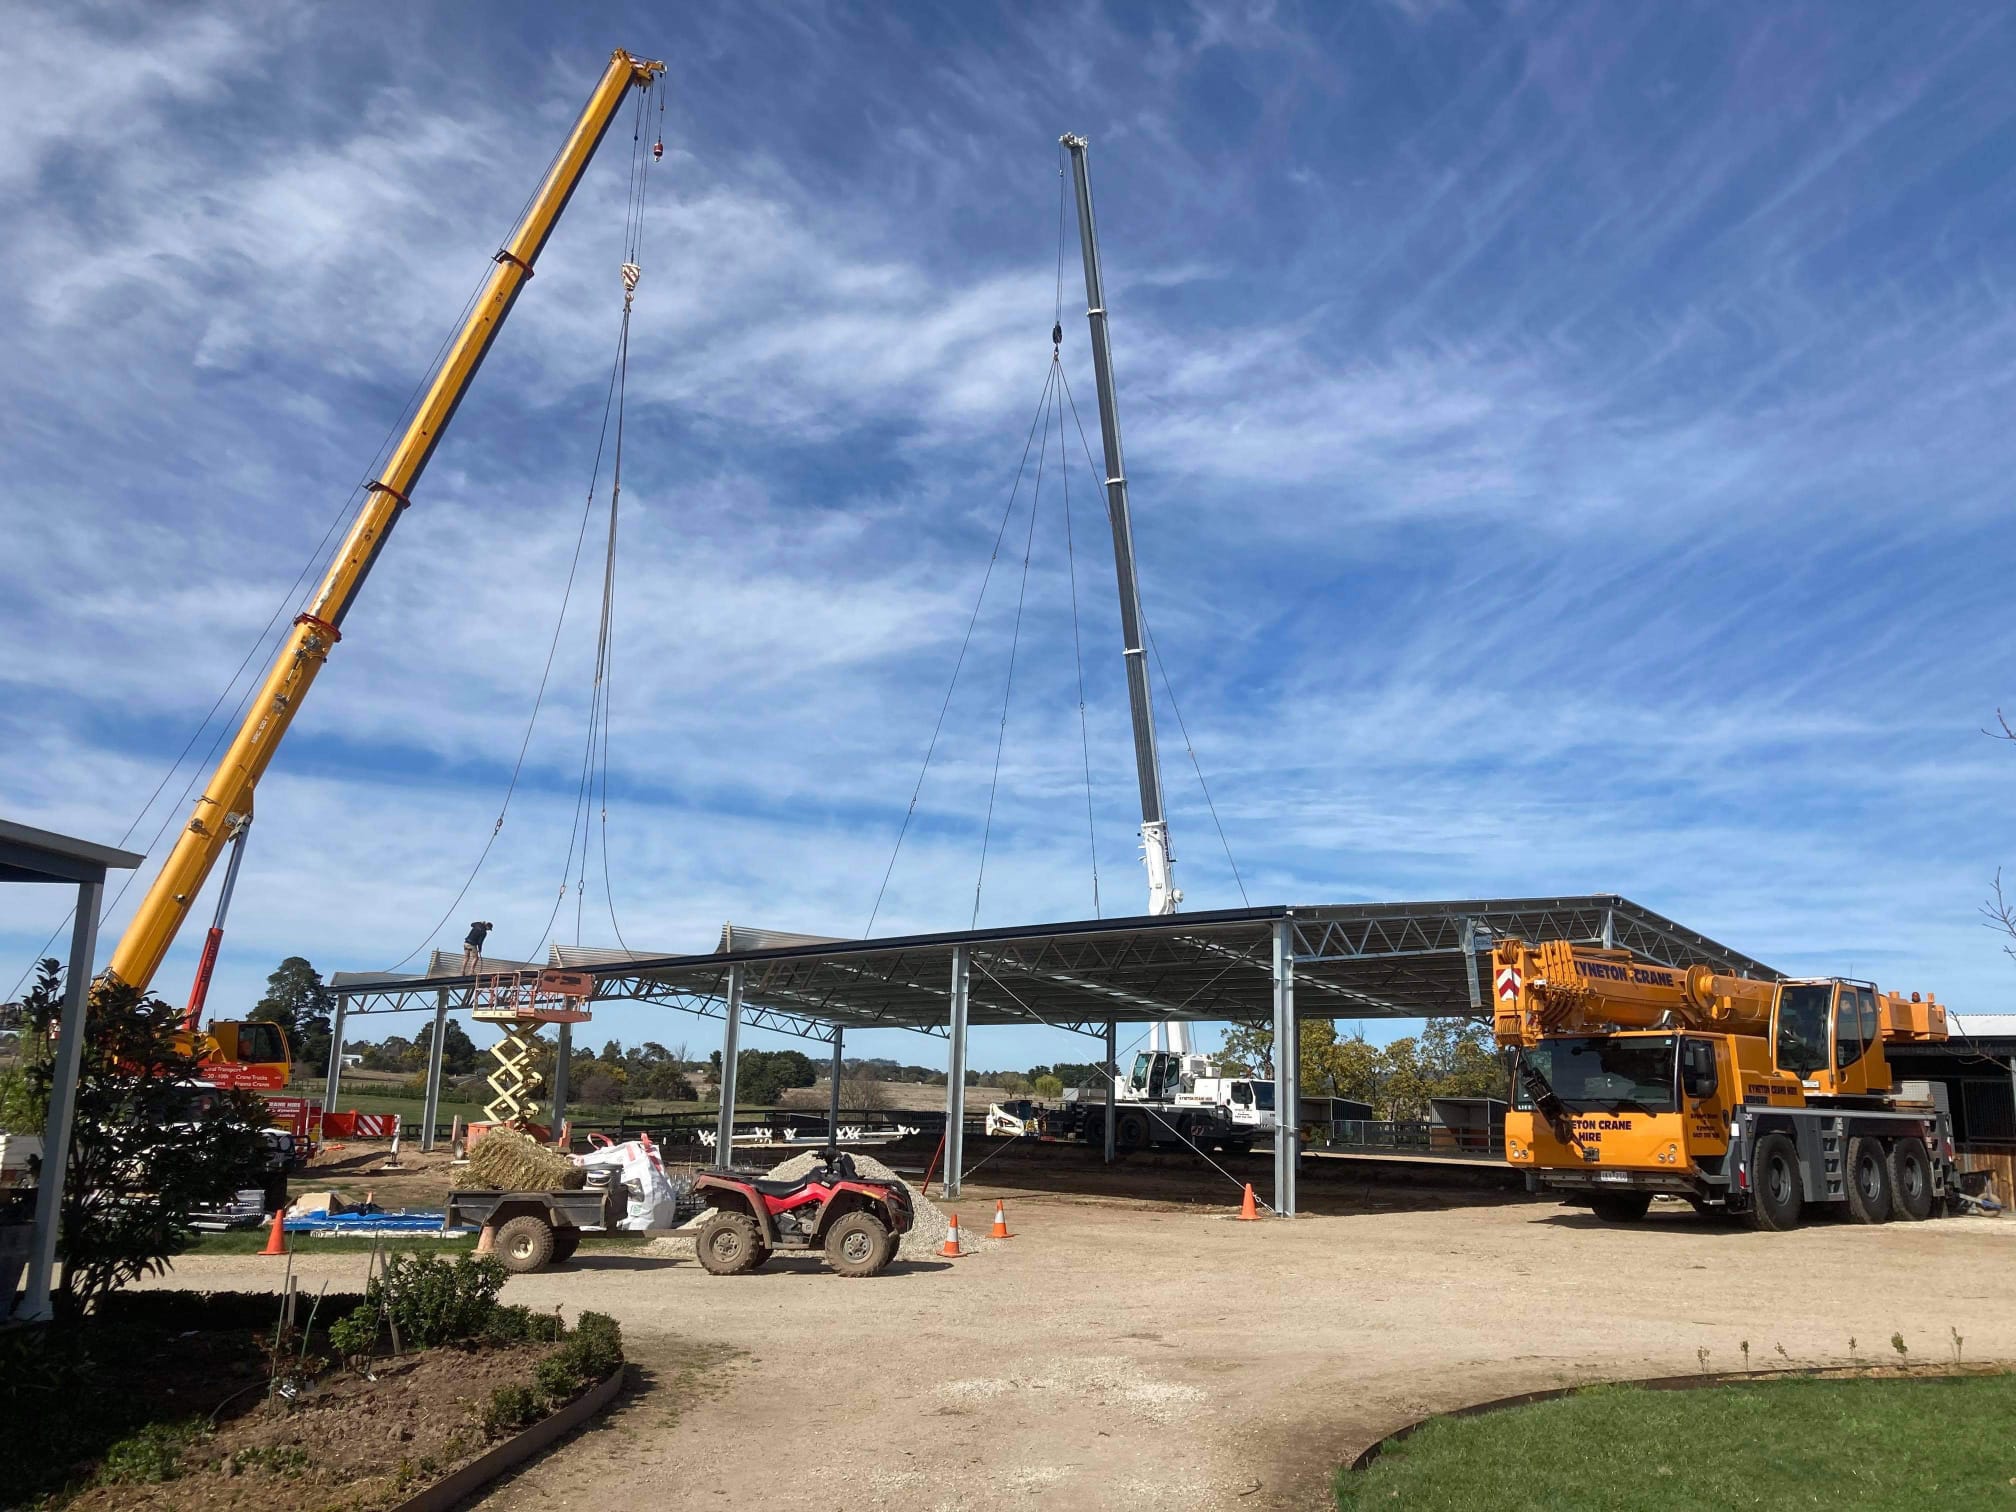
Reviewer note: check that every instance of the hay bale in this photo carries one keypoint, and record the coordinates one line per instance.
(504, 1159)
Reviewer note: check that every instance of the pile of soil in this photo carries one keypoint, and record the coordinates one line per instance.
(347, 1440)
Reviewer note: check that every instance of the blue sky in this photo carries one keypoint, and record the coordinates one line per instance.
(1569, 451)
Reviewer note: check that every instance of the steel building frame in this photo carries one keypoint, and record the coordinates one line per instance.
(1277, 964)
(40, 856)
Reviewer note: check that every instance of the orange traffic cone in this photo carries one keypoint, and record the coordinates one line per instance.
(486, 1241)
(950, 1248)
(1000, 1222)
(1248, 1212)
(276, 1241)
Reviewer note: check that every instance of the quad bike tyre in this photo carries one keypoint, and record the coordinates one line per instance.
(565, 1242)
(525, 1244)
(859, 1244)
(730, 1244)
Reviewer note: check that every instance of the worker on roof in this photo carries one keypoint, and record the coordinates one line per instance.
(472, 947)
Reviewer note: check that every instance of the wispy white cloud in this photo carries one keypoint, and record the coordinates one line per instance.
(1568, 453)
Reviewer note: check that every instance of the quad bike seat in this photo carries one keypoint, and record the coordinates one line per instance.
(781, 1188)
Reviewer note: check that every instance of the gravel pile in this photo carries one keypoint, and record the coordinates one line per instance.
(926, 1234)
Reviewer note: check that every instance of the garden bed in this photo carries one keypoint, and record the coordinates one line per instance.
(173, 1400)
(351, 1441)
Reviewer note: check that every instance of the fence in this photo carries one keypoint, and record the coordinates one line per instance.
(1414, 1136)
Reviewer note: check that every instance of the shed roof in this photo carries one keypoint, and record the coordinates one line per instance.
(1351, 960)
(28, 854)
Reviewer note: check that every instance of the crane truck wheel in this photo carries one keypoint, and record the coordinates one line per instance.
(1131, 1133)
(1910, 1180)
(1868, 1180)
(1621, 1207)
(1776, 1198)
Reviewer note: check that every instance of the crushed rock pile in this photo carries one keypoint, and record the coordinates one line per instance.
(926, 1234)
(504, 1159)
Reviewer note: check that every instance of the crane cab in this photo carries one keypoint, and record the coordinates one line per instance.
(1828, 1034)
(241, 1053)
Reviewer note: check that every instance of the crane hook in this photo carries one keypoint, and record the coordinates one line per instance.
(658, 149)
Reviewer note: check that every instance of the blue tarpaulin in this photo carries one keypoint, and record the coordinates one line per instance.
(326, 1224)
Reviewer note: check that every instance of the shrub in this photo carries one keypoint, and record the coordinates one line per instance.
(355, 1334)
(521, 1325)
(431, 1300)
(148, 1146)
(511, 1408)
(586, 1356)
(152, 1453)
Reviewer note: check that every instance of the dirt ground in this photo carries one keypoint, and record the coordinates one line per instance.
(1129, 1353)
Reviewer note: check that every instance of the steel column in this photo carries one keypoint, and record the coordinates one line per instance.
(1112, 1070)
(35, 1306)
(563, 1064)
(731, 1036)
(431, 1108)
(1609, 928)
(1469, 936)
(833, 1096)
(1287, 1070)
(334, 1079)
(955, 1076)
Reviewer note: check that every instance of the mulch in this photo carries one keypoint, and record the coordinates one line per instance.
(346, 1441)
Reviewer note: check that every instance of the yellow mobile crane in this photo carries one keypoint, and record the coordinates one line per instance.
(224, 810)
(1751, 1097)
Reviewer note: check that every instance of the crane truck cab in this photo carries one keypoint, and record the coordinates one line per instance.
(1633, 1080)
(240, 1053)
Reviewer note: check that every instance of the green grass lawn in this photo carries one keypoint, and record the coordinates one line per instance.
(1906, 1445)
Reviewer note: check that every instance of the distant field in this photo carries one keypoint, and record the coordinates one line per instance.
(375, 1095)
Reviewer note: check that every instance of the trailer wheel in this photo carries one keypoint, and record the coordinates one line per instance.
(525, 1245)
(728, 1244)
(1776, 1198)
(1910, 1180)
(1621, 1207)
(859, 1244)
(1868, 1180)
(565, 1242)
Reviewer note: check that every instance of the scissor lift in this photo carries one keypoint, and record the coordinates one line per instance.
(522, 1002)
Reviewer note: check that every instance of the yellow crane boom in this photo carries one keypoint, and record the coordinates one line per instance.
(226, 801)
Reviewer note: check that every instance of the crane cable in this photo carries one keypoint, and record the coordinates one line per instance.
(632, 247)
(591, 799)
(1182, 728)
(315, 560)
(960, 661)
(1015, 641)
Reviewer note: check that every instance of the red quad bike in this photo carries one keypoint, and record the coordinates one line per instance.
(856, 1219)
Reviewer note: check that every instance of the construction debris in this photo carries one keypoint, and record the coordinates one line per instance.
(505, 1160)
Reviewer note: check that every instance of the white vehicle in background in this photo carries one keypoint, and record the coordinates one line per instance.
(1171, 1099)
